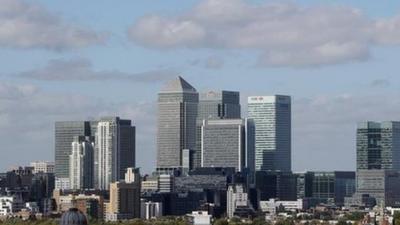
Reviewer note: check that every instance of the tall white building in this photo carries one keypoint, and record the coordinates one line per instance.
(81, 163)
(236, 197)
(114, 151)
(42, 166)
(272, 120)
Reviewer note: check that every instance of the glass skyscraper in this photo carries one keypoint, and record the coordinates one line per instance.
(378, 145)
(177, 113)
(272, 119)
(65, 132)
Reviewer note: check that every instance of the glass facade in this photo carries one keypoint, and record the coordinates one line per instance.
(65, 132)
(272, 119)
(378, 145)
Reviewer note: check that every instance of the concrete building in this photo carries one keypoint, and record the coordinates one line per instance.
(62, 183)
(272, 119)
(214, 105)
(115, 150)
(177, 113)
(228, 143)
(236, 197)
(272, 205)
(64, 134)
(125, 198)
(42, 166)
(200, 218)
(151, 210)
(81, 163)
(9, 205)
(166, 183)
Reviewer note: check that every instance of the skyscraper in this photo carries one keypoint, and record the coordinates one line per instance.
(64, 134)
(272, 119)
(115, 150)
(214, 105)
(81, 163)
(378, 164)
(177, 112)
(378, 145)
(227, 143)
(219, 105)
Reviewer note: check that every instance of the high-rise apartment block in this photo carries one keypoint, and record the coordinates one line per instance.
(177, 113)
(115, 150)
(272, 119)
(227, 143)
(81, 163)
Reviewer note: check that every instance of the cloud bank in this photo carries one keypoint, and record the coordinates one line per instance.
(283, 34)
(26, 25)
(82, 70)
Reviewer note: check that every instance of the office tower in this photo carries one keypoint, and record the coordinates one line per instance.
(272, 119)
(114, 150)
(81, 163)
(228, 143)
(42, 166)
(125, 198)
(177, 112)
(276, 184)
(377, 187)
(219, 105)
(64, 134)
(378, 145)
(214, 105)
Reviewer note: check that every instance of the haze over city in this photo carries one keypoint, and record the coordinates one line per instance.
(79, 60)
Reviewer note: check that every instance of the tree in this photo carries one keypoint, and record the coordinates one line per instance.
(221, 222)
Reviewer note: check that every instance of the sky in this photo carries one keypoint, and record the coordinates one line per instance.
(78, 60)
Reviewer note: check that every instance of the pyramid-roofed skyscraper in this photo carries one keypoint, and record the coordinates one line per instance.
(177, 112)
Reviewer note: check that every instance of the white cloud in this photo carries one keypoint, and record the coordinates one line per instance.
(82, 70)
(284, 34)
(30, 25)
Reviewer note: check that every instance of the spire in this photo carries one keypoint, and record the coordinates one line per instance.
(178, 85)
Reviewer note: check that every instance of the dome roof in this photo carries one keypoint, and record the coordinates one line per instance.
(73, 217)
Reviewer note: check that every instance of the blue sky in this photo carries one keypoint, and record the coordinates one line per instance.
(73, 60)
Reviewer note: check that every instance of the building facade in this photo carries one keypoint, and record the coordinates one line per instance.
(64, 134)
(42, 167)
(81, 163)
(228, 143)
(177, 113)
(214, 105)
(125, 198)
(272, 119)
(114, 150)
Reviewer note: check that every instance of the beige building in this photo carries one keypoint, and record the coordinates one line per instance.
(124, 197)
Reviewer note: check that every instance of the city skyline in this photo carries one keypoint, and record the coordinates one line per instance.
(103, 67)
